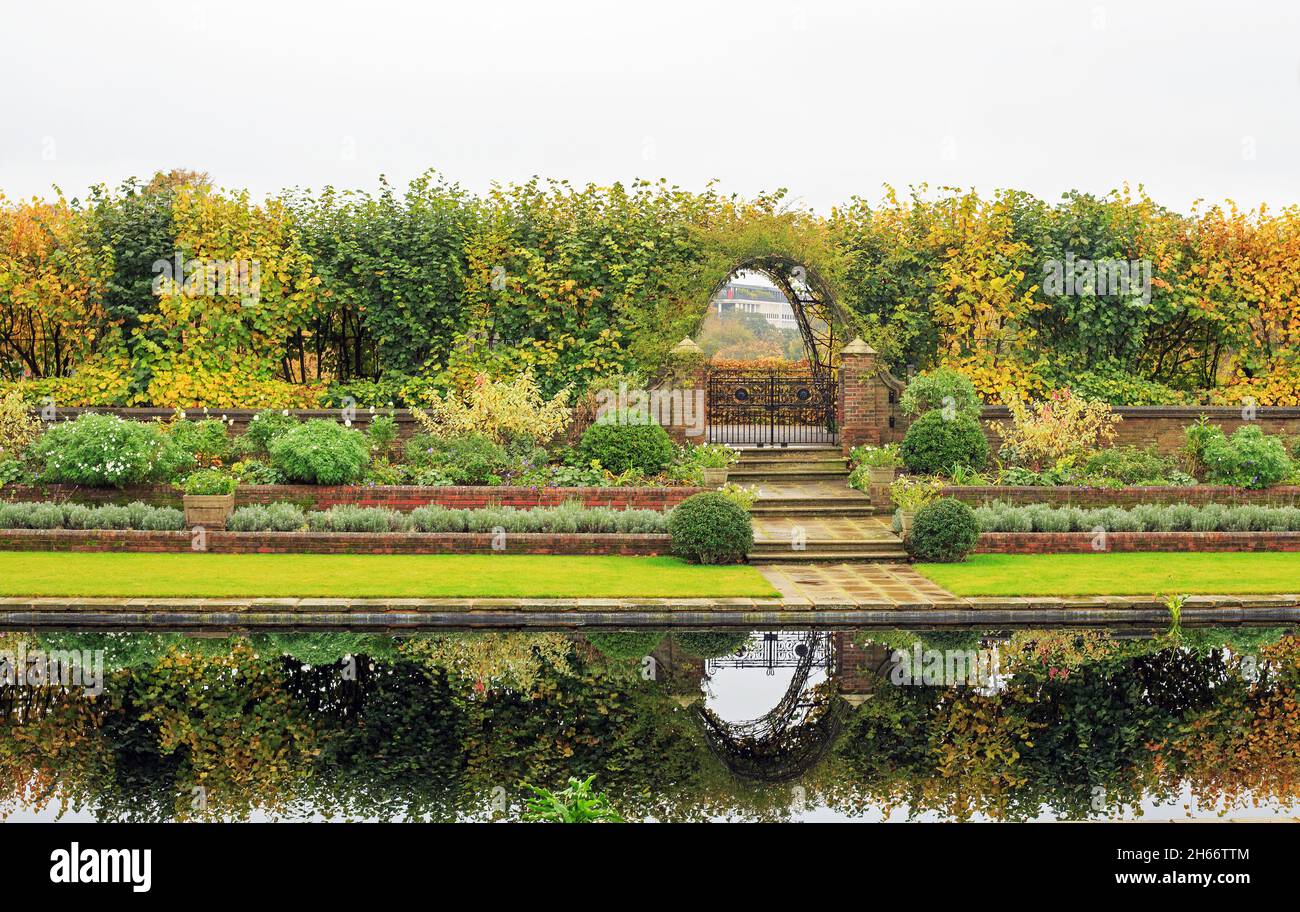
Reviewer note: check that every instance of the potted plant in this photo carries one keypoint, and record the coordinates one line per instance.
(880, 462)
(910, 495)
(209, 498)
(714, 460)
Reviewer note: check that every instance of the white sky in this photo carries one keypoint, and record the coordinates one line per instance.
(1192, 99)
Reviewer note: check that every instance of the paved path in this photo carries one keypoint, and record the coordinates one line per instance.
(893, 583)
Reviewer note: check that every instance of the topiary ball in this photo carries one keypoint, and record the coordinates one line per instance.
(943, 532)
(712, 644)
(710, 528)
(624, 644)
(621, 447)
(935, 443)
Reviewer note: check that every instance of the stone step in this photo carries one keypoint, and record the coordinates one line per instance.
(813, 512)
(853, 503)
(830, 557)
(782, 465)
(745, 475)
(780, 546)
(790, 454)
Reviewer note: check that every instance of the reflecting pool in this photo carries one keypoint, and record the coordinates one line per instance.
(1018, 724)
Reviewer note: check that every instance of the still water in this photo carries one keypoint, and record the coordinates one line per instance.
(682, 725)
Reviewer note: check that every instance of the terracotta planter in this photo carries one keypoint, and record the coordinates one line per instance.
(715, 478)
(881, 475)
(208, 510)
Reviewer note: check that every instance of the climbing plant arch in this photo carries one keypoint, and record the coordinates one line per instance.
(822, 322)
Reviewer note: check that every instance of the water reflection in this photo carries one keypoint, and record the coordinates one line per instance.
(682, 725)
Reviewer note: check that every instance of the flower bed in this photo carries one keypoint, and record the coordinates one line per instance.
(1281, 495)
(334, 542)
(393, 497)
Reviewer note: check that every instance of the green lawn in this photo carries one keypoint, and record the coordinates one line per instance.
(1119, 574)
(369, 576)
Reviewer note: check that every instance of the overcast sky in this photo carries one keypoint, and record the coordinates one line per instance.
(1192, 99)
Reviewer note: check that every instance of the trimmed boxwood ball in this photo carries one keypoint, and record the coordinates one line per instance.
(712, 644)
(621, 447)
(624, 644)
(935, 443)
(710, 528)
(321, 452)
(943, 532)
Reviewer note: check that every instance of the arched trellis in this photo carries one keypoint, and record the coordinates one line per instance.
(789, 739)
(822, 322)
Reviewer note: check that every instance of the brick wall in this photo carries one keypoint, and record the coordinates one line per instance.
(1125, 497)
(1082, 542)
(396, 497)
(1163, 427)
(331, 542)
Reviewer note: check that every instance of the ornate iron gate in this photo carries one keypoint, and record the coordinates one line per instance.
(772, 407)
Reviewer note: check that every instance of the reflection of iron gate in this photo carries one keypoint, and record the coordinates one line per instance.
(771, 407)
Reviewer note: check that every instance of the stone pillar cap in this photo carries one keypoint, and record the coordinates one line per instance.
(858, 347)
(687, 346)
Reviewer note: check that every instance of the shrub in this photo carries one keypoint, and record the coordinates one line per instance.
(944, 531)
(78, 516)
(276, 517)
(935, 443)
(711, 644)
(940, 390)
(503, 410)
(1063, 427)
(1126, 465)
(267, 426)
(18, 428)
(346, 518)
(1248, 459)
(624, 644)
(626, 447)
(710, 528)
(209, 482)
(320, 452)
(203, 443)
(103, 450)
(470, 459)
(382, 433)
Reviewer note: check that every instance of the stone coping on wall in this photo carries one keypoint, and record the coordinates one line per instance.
(241, 614)
(1189, 412)
(1087, 542)
(394, 497)
(222, 542)
(1281, 495)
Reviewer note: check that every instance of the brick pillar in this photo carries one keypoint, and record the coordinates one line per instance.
(861, 416)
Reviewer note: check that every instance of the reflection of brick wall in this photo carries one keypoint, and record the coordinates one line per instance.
(331, 542)
(395, 497)
(1082, 542)
(855, 666)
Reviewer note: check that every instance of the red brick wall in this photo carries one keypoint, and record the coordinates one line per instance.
(331, 542)
(1082, 542)
(405, 497)
(1125, 497)
(1163, 427)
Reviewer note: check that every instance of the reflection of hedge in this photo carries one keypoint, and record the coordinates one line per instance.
(405, 740)
(711, 644)
(324, 648)
(625, 644)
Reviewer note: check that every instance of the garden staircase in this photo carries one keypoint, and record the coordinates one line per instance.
(806, 513)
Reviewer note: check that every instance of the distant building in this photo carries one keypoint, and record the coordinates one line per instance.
(760, 299)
